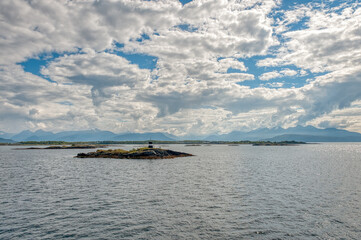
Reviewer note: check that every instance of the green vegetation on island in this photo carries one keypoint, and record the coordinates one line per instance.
(140, 153)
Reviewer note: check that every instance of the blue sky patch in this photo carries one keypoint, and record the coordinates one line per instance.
(317, 4)
(34, 65)
(184, 2)
(143, 37)
(251, 62)
(288, 81)
(233, 70)
(301, 24)
(144, 61)
(187, 27)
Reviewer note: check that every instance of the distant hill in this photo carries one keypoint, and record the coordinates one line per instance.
(313, 138)
(142, 137)
(22, 135)
(299, 133)
(4, 140)
(84, 136)
(88, 135)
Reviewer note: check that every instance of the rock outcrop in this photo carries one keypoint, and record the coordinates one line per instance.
(65, 147)
(141, 153)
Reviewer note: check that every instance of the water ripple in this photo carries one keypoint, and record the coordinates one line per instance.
(223, 192)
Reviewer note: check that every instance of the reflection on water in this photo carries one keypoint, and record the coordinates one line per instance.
(224, 192)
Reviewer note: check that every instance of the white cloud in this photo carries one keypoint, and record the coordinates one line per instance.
(274, 85)
(96, 69)
(288, 72)
(227, 63)
(329, 42)
(303, 72)
(347, 118)
(190, 90)
(278, 74)
(336, 90)
(269, 75)
(28, 101)
(33, 27)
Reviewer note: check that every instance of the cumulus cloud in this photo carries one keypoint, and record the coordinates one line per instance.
(329, 42)
(336, 90)
(269, 75)
(98, 70)
(204, 53)
(227, 63)
(348, 117)
(28, 100)
(223, 29)
(33, 27)
(288, 72)
(278, 74)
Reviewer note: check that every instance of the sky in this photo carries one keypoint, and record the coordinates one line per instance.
(182, 67)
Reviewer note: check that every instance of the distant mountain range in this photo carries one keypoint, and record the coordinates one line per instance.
(5, 140)
(299, 133)
(84, 136)
(312, 138)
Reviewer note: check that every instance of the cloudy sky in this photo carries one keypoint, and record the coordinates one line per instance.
(182, 67)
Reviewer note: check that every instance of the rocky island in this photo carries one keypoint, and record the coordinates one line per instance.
(283, 143)
(65, 147)
(140, 153)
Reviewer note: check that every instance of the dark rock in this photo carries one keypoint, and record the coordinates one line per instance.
(142, 153)
(65, 147)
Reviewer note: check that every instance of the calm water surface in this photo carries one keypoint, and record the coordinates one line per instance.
(224, 192)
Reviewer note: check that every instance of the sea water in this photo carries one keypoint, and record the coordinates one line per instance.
(309, 191)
